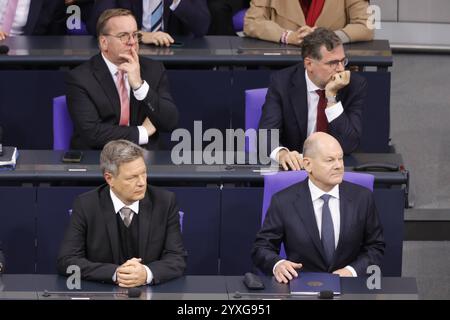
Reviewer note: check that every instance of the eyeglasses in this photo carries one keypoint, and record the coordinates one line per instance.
(125, 37)
(335, 63)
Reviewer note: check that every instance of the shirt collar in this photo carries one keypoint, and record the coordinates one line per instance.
(111, 66)
(118, 204)
(316, 192)
(310, 86)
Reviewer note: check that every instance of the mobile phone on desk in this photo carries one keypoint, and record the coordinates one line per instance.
(72, 157)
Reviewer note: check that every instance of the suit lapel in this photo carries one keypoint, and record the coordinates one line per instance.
(299, 100)
(33, 15)
(145, 223)
(105, 80)
(166, 15)
(305, 209)
(109, 215)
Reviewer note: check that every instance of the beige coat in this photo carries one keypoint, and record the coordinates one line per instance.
(268, 19)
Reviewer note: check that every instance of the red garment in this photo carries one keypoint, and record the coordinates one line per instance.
(312, 10)
(322, 121)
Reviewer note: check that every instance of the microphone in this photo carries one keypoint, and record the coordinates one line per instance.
(2, 262)
(326, 294)
(1, 146)
(134, 293)
(283, 295)
(4, 49)
(86, 295)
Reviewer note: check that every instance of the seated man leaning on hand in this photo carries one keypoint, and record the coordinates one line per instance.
(124, 232)
(118, 94)
(317, 94)
(326, 224)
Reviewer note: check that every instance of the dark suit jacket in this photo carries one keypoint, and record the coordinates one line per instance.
(191, 17)
(94, 105)
(286, 109)
(92, 241)
(46, 17)
(290, 219)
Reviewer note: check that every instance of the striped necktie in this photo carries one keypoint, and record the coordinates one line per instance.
(156, 18)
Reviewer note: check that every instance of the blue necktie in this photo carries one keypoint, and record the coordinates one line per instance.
(156, 17)
(327, 230)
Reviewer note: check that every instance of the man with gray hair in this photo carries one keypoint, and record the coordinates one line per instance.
(316, 95)
(125, 231)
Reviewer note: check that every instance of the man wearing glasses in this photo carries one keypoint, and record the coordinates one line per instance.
(316, 95)
(117, 94)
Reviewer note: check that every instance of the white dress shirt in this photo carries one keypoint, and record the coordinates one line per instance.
(333, 204)
(147, 9)
(332, 112)
(118, 205)
(139, 94)
(21, 18)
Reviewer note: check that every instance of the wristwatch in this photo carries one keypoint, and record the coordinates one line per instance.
(331, 99)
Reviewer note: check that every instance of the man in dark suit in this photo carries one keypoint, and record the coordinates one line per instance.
(316, 96)
(179, 17)
(326, 224)
(117, 94)
(124, 232)
(37, 17)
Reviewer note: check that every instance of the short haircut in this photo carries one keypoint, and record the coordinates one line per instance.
(117, 152)
(315, 40)
(108, 14)
(310, 148)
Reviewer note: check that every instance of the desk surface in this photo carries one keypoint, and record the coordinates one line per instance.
(46, 165)
(208, 50)
(31, 287)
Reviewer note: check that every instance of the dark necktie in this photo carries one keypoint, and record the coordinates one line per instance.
(305, 4)
(322, 121)
(327, 230)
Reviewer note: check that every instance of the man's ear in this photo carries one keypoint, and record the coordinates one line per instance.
(103, 43)
(108, 178)
(307, 164)
(307, 62)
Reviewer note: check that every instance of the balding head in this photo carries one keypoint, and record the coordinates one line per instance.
(323, 160)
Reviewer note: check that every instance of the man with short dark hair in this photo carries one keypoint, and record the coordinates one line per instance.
(326, 224)
(317, 94)
(124, 232)
(161, 20)
(118, 94)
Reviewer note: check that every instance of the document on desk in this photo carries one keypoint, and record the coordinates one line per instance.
(311, 283)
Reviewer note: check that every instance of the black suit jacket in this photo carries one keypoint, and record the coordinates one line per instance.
(92, 240)
(191, 17)
(290, 219)
(286, 109)
(46, 17)
(94, 105)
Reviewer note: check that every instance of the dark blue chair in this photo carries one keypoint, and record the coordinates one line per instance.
(283, 179)
(254, 100)
(62, 124)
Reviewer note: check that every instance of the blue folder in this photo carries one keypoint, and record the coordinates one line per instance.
(310, 283)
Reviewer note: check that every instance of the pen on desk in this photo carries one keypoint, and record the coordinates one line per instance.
(77, 169)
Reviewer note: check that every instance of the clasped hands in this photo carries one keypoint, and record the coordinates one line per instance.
(131, 274)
